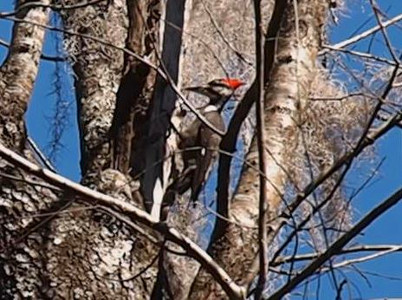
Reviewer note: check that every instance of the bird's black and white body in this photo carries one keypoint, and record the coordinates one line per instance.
(200, 146)
(198, 142)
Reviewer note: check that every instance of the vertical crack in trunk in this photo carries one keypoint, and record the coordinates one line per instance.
(135, 91)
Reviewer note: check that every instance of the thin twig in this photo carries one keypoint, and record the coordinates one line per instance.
(29, 181)
(42, 157)
(354, 249)
(340, 98)
(384, 32)
(42, 56)
(223, 35)
(262, 159)
(55, 7)
(362, 35)
(362, 259)
(361, 54)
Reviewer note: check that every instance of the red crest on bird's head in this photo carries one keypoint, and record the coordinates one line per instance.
(233, 83)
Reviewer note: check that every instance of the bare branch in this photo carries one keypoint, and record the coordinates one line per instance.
(223, 36)
(360, 248)
(43, 56)
(364, 258)
(383, 31)
(361, 54)
(90, 196)
(362, 35)
(338, 245)
(262, 159)
(42, 157)
(136, 56)
(31, 5)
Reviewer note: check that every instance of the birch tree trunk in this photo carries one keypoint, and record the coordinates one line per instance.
(21, 271)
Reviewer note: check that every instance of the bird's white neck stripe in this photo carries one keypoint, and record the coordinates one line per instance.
(210, 108)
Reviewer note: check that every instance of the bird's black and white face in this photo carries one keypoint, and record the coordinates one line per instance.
(221, 87)
(218, 90)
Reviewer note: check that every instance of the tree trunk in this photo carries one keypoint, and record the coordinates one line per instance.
(18, 74)
(21, 270)
(96, 255)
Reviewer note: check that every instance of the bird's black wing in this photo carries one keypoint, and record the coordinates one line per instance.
(209, 142)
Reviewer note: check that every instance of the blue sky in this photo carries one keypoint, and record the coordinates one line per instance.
(386, 230)
(43, 103)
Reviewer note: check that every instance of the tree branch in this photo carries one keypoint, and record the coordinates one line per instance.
(360, 248)
(360, 36)
(338, 245)
(136, 56)
(42, 56)
(31, 5)
(90, 196)
(262, 159)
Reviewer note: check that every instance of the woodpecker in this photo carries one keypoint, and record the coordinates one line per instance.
(199, 136)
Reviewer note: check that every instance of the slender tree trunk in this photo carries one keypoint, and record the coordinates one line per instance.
(98, 68)
(20, 262)
(217, 42)
(18, 74)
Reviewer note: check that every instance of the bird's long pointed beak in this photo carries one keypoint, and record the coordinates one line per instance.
(195, 88)
(203, 90)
